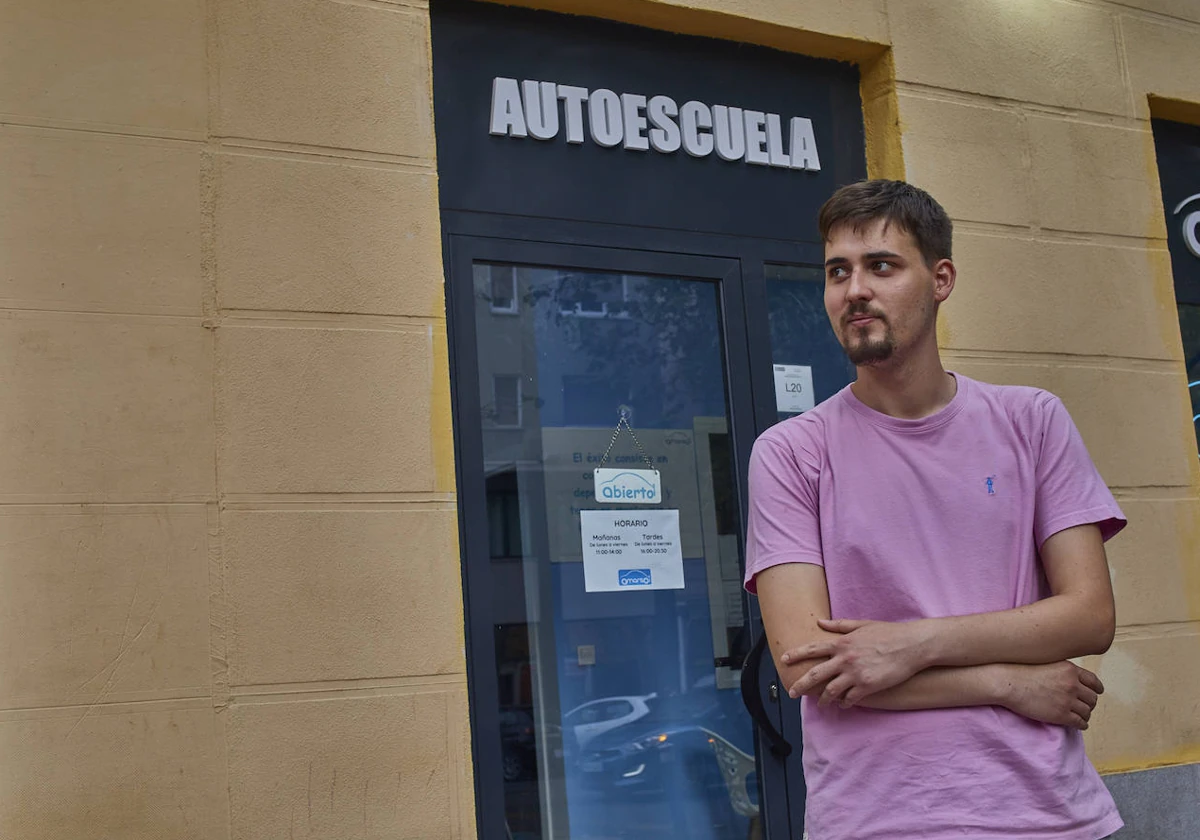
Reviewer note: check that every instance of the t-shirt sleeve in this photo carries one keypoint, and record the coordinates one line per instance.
(783, 526)
(1070, 491)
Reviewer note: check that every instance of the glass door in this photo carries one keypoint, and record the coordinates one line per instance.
(797, 364)
(808, 364)
(605, 711)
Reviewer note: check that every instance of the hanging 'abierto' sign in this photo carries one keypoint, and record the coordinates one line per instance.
(639, 123)
(628, 487)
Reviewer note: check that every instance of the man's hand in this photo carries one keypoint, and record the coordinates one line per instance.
(1061, 693)
(868, 657)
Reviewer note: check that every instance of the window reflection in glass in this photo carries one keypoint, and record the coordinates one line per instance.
(506, 401)
(504, 288)
(620, 712)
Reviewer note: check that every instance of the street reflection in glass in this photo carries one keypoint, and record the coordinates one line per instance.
(621, 715)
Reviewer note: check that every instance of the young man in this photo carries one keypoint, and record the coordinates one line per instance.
(928, 552)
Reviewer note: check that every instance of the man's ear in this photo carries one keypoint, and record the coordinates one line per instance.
(944, 275)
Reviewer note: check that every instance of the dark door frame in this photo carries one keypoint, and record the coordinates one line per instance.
(736, 264)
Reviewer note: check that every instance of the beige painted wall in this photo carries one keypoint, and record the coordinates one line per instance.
(230, 603)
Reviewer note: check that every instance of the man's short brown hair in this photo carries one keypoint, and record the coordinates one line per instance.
(898, 203)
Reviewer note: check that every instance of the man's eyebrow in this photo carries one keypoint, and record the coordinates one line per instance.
(836, 261)
(880, 255)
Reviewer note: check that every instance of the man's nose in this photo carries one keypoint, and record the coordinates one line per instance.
(857, 287)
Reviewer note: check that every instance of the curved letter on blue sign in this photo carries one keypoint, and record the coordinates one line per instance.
(633, 577)
(628, 487)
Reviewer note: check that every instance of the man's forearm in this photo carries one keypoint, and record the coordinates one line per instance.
(1051, 630)
(867, 657)
(935, 688)
(1060, 693)
(1077, 620)
(943, 688)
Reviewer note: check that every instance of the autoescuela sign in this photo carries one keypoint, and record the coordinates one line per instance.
(639, 123)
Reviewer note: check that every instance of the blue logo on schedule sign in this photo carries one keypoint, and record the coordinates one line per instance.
(633, 577)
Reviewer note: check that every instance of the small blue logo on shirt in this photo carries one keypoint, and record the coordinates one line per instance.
(991, 485)
(633, 577)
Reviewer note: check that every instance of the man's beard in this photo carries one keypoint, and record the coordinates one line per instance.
(867, 351)
(871, 351)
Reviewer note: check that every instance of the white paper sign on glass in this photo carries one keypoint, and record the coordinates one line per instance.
(793, 388)
(628, 487)
(629, 550)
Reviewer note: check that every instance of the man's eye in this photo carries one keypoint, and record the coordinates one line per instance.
(837, 273)
(882, 265)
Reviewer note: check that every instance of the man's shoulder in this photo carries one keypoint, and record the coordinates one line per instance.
(803, 440)
(1020, 403)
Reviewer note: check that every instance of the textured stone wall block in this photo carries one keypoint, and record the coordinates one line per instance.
(1151, 704)
(103, 606)
(1163, 61)
(1052, 52)
(97, 407)
(1036, 296)
(319, 237)
(324, 410)
(1153, 572)
(971, 159)
(335, 595)
(1095, 178)
(89, 222)
(121, 63)
(347, 76)
(369, 768)
(134, 773)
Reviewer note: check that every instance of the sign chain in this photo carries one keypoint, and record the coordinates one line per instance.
(624, 423)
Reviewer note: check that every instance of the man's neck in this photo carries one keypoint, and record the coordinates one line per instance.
(908, 390)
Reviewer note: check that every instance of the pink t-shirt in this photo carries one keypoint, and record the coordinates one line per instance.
(919, 519)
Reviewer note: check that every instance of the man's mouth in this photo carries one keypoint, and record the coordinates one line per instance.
(861, 320)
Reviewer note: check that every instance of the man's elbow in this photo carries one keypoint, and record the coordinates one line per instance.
(1102, 628)
(1105, 635)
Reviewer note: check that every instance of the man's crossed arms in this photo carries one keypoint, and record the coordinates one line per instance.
(1013, 658)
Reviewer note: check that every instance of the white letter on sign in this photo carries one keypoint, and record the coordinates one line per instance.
(541, 112)
(507, 117)
(632, 105)
(694, 116)
(604, 117)
(573, 98)
(664, 137)
(756, 137)
(727, 129)
(775, 142)
(804, 145)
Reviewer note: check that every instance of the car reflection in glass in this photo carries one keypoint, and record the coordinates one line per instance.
(591, 719)
(694, 751)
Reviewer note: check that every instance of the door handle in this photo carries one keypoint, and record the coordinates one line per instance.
(752, 698)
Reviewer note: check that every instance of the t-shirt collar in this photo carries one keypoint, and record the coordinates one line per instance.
(923, 424)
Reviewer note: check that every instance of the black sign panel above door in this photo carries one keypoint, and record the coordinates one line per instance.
(587, 120)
